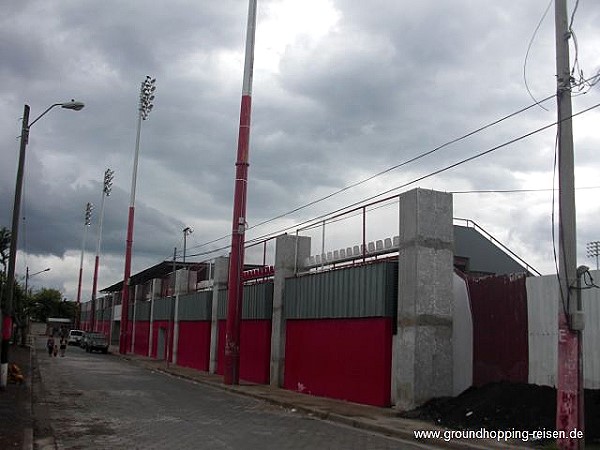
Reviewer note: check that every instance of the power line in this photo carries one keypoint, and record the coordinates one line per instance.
(587, 81)
(430, 174)
(389, 169)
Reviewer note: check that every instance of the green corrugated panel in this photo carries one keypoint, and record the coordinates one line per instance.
(163, 308)
(196, 306)
(257, 304)
(363, 291)
(142, 311)
(106, 315)
(258, 301)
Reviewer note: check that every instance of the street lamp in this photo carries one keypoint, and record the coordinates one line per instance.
(593, 250)
(28, 276)
(186, 232)
(14, 232)
(106, 188)
(28, 317)
(86, 224)
(146, 97)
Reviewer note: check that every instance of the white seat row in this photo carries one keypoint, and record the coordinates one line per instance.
(344, 254)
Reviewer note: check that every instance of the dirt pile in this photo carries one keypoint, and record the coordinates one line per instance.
(504, 406)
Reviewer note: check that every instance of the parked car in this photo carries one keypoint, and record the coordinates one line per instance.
(94, 341)
(75, 337)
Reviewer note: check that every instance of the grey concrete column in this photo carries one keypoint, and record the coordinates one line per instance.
(181, 287)
(290, 254)
(219, 282)
(156, 290)
(135, 301)
(422, 348)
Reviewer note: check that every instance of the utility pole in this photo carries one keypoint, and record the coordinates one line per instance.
(236, 260)
(569, 415)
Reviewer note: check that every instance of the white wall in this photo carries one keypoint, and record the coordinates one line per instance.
(542, 313)
(462, 337)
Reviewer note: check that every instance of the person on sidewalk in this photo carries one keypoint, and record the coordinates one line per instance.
(50, 345)
(63, 346)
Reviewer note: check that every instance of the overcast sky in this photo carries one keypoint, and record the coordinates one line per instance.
(343, 89)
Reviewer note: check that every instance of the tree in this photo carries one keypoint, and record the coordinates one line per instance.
(4, 253)
(48, 303)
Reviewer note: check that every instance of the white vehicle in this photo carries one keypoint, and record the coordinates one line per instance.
(75, 337)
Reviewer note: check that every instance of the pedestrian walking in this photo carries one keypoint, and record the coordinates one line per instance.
(55, 350)
(50, 345)
(63, 346)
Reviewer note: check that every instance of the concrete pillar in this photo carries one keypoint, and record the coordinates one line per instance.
(422, 348)
(219, 282)
(136, 290)
(290, 254)
(156, 291)
(181, 287)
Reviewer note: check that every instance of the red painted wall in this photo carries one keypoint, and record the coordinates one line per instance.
(140, 344)
(221, 330)
(255, 350)
(348, 359)
(500, 342)
(193, 348)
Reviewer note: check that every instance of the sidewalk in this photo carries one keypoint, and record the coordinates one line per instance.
(16, 422)
(365, 417)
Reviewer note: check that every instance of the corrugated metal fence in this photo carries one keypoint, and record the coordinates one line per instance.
(363, 291)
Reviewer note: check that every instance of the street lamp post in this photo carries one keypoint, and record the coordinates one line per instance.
(86, 224)
(106, 188)
(146, 97)
(186, 232)
(28, 276)
(10, 281)
(28, 318)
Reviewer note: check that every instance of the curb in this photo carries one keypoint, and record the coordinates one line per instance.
(399, 433)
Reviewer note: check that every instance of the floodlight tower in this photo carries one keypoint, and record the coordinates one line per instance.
(146, 98)
(106, 188)
(593, 250)
(238, 229)
(86, 224)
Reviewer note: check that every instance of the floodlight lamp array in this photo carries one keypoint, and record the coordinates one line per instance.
(147, 96)
(88, 214)
(108, 180)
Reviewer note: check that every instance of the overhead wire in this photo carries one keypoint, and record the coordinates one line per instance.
(527, 55)
(387, 170)
(428, 175)
(264, 236)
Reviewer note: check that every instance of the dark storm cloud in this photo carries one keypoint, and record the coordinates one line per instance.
(388, 81)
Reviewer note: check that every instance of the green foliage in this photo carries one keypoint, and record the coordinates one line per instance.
(4, 247)
(48, 303)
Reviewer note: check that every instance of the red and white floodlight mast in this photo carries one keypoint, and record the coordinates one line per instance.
(236, 258)
(106, 188)
(146, 97)
(86, 224)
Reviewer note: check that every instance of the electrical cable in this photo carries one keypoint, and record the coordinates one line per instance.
(389, 169)
(527, 55)
(436, 172)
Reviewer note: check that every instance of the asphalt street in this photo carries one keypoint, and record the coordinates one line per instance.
(96, 401)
